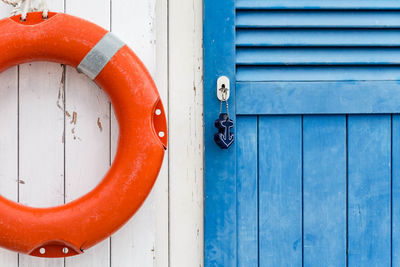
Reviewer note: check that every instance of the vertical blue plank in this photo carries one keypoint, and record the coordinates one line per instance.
(396, 190)
(247, 191)
(280, 191)
(220, 165)
(369, 190)
(324, 190)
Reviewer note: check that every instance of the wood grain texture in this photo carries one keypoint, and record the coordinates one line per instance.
(317, 18)
(140, 36)
(220, 229)
(87, 131)
(161, 188)
(324, 181)
(317, 56)
(369, 190)
(359, 97)
(280, 190)
(395, 190)
(317, 41)
(247, 190)
(87, 137)
(315, 74)
(312, 4)
(9, 147)
(186, 133)
(324, 190)
(41, 155)
(317, 37)
(84, 152)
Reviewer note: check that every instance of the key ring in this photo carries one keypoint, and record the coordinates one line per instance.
(224, 92)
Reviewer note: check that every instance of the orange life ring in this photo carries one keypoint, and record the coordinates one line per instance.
(70, 229)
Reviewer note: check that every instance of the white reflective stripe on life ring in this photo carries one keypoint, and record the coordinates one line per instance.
(93, 63)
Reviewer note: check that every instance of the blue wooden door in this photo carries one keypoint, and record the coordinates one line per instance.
(313, 178)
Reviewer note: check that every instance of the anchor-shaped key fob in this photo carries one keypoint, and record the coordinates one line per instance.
(224, 138)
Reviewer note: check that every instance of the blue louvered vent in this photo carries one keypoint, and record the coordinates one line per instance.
(317, 40)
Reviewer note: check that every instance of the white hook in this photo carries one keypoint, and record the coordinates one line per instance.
(223, 87)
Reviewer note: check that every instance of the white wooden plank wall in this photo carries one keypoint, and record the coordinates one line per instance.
(59, 134)
(186, 132)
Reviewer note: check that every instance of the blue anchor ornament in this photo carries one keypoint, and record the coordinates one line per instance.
(224, 138)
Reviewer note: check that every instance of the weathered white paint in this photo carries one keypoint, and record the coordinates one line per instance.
(64, 129)
(9, 147)
(87, 134)
(161, 247)
(140, 36)
(186, 133)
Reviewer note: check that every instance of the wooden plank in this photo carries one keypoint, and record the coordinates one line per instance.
(92, 16)
(317, 37)
(317, 19)
(186, 136)
(87, 136)
(247, 190)
(9, 147)
(318, 56)
(317, 73)
(161, 247)
(369, 190)
(312, 4)
(280, 191)
(162, 221)
(220, 179)
(139, 233)
(318, 97)
(86, 149)
(324, 186)
(395, 190)
(41, 155)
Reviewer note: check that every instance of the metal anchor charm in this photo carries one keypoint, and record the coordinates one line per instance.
(224, 138)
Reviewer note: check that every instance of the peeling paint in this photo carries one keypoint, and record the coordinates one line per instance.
(74, 118)
(99, 124)
(61, 93)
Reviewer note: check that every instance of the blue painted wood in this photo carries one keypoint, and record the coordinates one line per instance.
(247, 190)
(396, 190)
(369, 190)
(318, 97)
(220, 165)
(280, 191)
(324, 187)
(320, 73)
(317, 73)
(317, 40)
(317, 18)
(302, 57)
(314, 4)
(318, 56)
(317, 37)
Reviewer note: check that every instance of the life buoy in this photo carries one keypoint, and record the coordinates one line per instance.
(70, 229)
